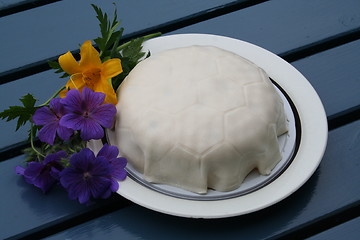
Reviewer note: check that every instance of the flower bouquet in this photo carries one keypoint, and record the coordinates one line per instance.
(77, 113)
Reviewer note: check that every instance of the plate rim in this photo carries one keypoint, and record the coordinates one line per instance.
(311, 150)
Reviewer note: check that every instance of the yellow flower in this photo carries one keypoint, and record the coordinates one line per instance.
(90, 72)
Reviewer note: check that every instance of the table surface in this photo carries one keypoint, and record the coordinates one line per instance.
(320, 38)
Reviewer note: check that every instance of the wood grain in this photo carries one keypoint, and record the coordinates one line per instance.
(323, 196)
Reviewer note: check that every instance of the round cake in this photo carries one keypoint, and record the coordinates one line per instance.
(199, 118)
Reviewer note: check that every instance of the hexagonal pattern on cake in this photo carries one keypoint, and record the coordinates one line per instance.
(204, 118)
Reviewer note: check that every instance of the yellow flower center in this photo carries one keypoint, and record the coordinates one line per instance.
(91, 77)
(90, 72)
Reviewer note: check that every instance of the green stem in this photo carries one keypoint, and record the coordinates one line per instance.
(53, 96)
(71, 150)
(100, 54)
(32, 142)
(119, 48)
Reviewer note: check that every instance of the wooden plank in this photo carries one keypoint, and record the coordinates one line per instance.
(24, 208)
(282, 31)
(8, 7)
(33, 208)
(323, 195)
(281, 25)
(9, 3)
(41, 85)
(349, 230)
(272, 28)
(335, 75)
(338, 87)
(54, 29)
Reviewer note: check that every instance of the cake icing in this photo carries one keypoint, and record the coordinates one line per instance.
(199, 117)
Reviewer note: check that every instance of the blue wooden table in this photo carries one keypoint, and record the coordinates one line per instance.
(321, 38)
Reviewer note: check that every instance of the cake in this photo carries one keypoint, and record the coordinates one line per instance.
(199, 118)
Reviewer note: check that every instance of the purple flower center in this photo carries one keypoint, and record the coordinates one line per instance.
(86, 112)
(49, 118)
(86, 176)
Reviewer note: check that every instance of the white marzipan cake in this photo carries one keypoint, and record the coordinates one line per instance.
(199, 117)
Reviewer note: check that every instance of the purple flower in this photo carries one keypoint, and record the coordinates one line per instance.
(118, 163)
(87, 177)
(49, 118)
(43, 174)
(87, 113)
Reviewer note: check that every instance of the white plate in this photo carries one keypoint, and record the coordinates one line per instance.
(307, 158)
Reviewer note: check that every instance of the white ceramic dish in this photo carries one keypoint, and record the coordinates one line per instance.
(306, 159)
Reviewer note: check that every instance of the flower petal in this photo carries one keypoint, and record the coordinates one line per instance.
(92, 99)
(111, 68)
(55, 173)
(73, 194)
(39, 175)
(72, 121)
(83, 160)
(120, 174)
(114, 185)
(118, 168)
(122, 162)
(47, 133)
(90, 129)
(76, 81)
(107, 193)
(33, 169)
(19, 170)
(80, 191)
(44, 181)
(104, 115)
(99, 186)
(87, 176)
(69, 64)
(73, 101)
(63, 93)
(104, 86)
(64, 133)
(70, 176)
(108, 151)
(54, 157)
(56, 106)
(89, 57)
(43, 116)
(103, 167)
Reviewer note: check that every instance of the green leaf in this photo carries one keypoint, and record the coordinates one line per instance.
(56, 66)
(133, 50)
(130, 53)
(110, 34)
(28, 100)
(23, 113)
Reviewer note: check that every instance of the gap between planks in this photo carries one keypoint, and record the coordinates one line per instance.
(115, 203)
(324, 223)
(41, 66)
(23, 6)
